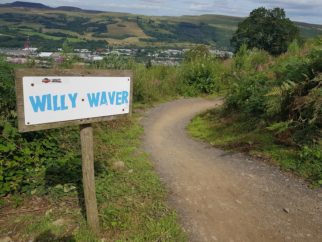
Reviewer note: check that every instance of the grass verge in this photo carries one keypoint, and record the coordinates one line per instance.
(131, 199)
(234, 134)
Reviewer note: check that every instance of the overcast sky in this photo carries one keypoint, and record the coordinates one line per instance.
(299, 10)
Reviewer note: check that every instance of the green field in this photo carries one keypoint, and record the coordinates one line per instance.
(48, 28)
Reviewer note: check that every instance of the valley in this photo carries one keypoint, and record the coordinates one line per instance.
(48, 28)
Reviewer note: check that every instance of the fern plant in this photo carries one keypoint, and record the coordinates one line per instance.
(277, 97)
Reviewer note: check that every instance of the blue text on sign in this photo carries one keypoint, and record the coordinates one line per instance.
(49, 102)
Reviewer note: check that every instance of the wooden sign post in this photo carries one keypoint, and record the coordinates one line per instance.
(55, 98)
(86, 134)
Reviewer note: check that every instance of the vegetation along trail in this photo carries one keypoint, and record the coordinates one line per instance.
(222, 196)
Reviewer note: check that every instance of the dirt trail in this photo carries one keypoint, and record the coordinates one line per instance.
(227, 197)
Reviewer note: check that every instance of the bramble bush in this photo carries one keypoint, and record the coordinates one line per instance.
(248, 95)
(309, 164)
(297, 94)
(25, 158)
(284, 89)
(283, 95)
(247, 85)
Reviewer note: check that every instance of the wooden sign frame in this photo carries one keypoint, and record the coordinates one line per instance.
(86, 129)
(20, 73)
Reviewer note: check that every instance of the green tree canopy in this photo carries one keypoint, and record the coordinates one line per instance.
(266, 29)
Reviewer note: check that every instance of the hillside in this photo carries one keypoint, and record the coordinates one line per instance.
(48, 27)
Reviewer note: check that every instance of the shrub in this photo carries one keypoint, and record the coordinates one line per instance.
(201, 71)
(310, 164)
(247, 95)
(283, 90)
(296, 96)
(200, 75)
(284, 96)
(25, 158)
(249, 60)
(7, 91)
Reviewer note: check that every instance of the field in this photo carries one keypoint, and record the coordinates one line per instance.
(48, 28)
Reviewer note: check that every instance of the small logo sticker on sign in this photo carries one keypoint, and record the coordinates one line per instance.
(47, 80)
(56, 80)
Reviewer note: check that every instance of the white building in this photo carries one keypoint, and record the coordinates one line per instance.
(45, 54)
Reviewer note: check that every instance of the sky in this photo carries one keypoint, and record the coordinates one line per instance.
(298, 10)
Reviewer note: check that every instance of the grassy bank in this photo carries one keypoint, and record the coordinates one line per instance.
(233, 133)
(131, 199)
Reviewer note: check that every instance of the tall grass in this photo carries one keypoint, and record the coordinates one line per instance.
(156, 83)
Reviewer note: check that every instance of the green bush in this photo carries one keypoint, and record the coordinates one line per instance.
(27, 160)
(297, 93)
(247, 60)
(7, 91)
(282, 95)
(285, 89)
(294, 68)
(315, 55)
(247, 84)
(201, 71)
(247, 95)
(310, 164)
(199, 74)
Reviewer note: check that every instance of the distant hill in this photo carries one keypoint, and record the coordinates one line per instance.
(20, 4)
(68, 8)
(48, 28)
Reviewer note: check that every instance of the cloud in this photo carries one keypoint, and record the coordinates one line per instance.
(224, 6)
(292, 4)
(128, 6)
(301, 10)
(288, 2)
(153, 1)
(139, 4)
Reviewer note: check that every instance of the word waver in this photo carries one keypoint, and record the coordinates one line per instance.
(55, 103)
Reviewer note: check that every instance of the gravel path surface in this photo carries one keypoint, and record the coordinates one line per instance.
(226, 197)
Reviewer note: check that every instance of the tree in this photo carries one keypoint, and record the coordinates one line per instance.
(266, 29)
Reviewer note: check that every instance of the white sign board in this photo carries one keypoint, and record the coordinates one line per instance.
(50, 99)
